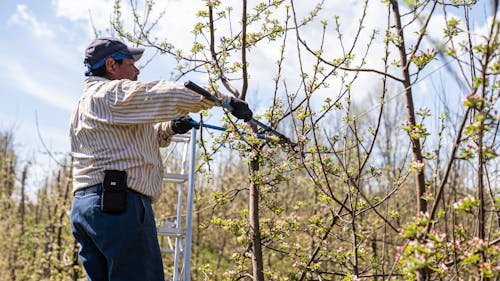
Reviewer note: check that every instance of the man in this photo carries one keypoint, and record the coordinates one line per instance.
(116, 130)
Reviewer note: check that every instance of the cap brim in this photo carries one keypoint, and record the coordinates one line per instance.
(135, 52)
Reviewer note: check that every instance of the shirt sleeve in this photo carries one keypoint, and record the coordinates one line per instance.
(132, 102)
(164, 132)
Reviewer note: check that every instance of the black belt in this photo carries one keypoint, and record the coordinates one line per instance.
(97, 188)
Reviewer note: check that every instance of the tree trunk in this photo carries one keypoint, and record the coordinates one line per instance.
(422, 274)
(253, 208)
(410, 111)
(22, 205)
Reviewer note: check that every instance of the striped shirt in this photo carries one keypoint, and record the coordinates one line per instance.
(121, 124)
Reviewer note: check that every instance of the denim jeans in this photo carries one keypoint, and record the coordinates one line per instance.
(120, 246)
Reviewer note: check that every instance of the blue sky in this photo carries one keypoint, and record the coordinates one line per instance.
(41, 76)
(42, 52)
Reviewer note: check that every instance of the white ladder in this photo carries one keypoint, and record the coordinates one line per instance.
(177, 233)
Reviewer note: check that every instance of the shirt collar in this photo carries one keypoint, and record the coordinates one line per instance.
(95, 79)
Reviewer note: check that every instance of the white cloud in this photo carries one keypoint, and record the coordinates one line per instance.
(75, 10)
(178, 21)
(349, 15)
(482, 31)
(39, 85)
(25, 18)
(90, 13)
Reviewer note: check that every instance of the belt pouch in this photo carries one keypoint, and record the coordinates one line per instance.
(114, 191)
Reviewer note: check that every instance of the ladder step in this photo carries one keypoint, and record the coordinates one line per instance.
(170, 250)
(175, 178)
(171, 224)
(172, 232)
(181, 138)
(167, 251)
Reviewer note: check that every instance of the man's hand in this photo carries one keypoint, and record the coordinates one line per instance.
(182, 124)
(240, 109)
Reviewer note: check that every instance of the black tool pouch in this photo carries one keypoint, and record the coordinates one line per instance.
(114, 191)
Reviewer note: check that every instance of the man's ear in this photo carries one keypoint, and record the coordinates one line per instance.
(110, 65)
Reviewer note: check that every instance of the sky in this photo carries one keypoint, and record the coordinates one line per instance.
(41, 51)
(42, 47)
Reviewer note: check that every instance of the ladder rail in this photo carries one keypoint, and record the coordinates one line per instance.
(181, 230)
(189, 210)
(180, 188)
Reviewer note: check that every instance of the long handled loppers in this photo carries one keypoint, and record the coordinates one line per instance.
(194, 87)
(197, 125)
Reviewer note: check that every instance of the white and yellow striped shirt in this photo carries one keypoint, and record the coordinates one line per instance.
(120, 125)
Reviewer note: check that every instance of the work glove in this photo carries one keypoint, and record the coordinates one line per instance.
(182, 124)
(240, 109)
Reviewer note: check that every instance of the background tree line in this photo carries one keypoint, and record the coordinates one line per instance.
(393, 187)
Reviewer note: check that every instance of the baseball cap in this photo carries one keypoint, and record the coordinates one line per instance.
(102, 48)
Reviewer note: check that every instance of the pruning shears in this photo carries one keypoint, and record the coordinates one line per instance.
(194, 87)
(197, 125)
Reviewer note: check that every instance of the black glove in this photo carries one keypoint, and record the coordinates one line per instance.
(240, 109)
(182, 124)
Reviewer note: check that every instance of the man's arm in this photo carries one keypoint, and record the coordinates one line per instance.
(132, 102)
(166, 130)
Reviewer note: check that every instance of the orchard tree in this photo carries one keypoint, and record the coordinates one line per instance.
(361, 220)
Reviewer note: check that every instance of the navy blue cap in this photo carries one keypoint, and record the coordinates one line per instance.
(102, 48)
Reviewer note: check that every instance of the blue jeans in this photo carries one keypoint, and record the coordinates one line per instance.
(116, 246)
